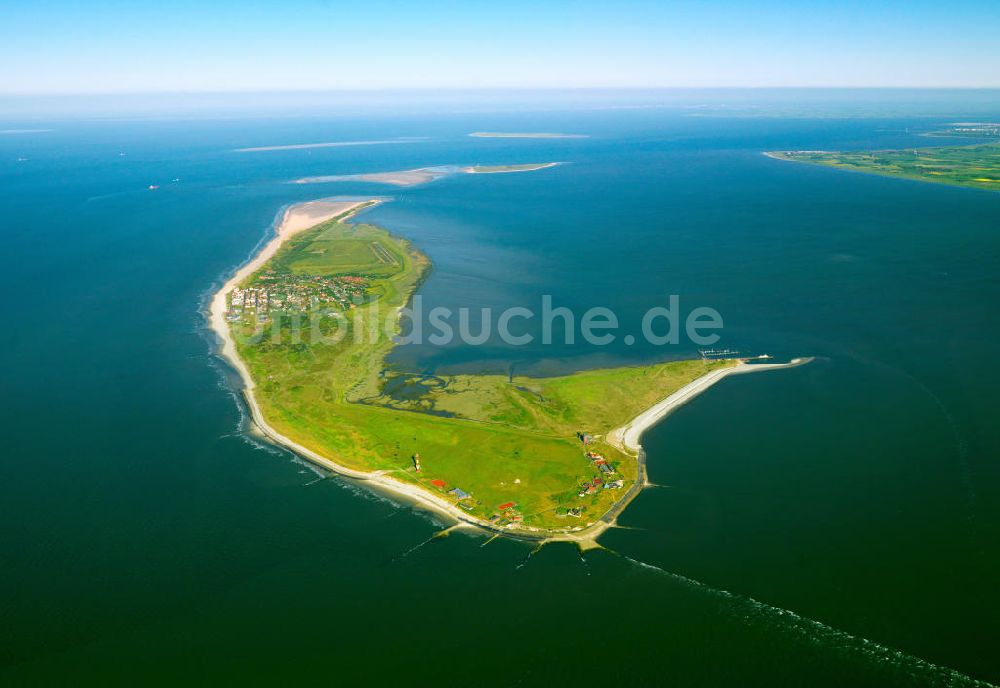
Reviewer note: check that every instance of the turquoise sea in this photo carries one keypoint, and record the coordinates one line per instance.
(834, 524)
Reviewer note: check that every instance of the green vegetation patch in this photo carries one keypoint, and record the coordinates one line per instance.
(972, 166)
(341, 249)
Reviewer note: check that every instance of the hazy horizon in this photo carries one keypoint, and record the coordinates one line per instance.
(60, 47)
(868, 102)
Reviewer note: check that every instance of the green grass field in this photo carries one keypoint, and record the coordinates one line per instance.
(342, 249)
(500, 440)
(973, 166)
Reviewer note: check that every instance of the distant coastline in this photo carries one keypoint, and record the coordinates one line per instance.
(525, 135)
(975, 166)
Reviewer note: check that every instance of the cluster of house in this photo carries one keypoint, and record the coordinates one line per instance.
(245, 300)
(594, 486)
(602, 463)
(507, 515)
(294, 293)
(600, 483)
(463, 498)
(589, 487)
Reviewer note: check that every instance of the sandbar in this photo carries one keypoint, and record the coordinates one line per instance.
(423, 175)
(525, 135)
(329, 144)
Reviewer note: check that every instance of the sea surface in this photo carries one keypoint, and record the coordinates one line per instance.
(829, 525)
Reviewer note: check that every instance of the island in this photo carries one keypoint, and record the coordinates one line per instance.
(423, 175)
(525, 135)
(495, 169)
(420, 175)
(976, 166)
(545, 458)
(969, 130)
(330, 144)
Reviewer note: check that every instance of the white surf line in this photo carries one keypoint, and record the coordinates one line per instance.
(755, 611)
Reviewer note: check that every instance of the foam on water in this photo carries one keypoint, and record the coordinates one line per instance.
(758, 613)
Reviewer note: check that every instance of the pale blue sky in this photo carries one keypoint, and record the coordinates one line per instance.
(52, 46)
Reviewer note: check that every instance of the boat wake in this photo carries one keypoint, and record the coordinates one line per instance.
(817, 633)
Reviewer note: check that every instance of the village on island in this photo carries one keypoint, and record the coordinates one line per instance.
(291, 293)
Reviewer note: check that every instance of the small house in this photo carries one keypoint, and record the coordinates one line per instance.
(459, 493)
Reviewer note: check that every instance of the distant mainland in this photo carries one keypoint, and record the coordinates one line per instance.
(976, 166)
(525, 135)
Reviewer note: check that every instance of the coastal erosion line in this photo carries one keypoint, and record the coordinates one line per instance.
(302, 216)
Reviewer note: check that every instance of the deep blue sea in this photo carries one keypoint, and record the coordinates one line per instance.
(829, 525)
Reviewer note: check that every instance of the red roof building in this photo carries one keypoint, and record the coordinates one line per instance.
(438, 483)
(507, 505)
